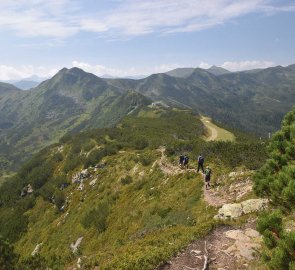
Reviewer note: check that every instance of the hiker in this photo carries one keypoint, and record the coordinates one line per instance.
(181, 159)
(207, 175)
(185, 161)
(201, 163)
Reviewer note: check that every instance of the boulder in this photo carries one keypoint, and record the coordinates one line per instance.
(74, 246)
(254, 205)
(81, 186)
(27, 190)
(235, 210)
(37, 249)
(77, 178)
(245, 243)
(93, 182)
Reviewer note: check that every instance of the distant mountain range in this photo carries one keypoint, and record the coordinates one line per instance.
(26, 83)
(74, 100)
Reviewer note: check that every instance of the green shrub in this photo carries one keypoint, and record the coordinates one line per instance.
(36, 262)
(126, 180)
(145, 160)
(141, 143)
(97, 217)
(8, 258)
(58, 157)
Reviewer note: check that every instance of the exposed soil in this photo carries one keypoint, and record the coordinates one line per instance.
(225, 248)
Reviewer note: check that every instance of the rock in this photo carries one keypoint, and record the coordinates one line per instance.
(246, 241)
(81, 186)
(63, 186)
(27, 190)
(93, 182)
(77, 178)
(196, 252)
(79, 262)
(74, 246)
(236, 210)
(235, 174)
(230, 211)
(37, 249)
(100, 166)
(254, 205)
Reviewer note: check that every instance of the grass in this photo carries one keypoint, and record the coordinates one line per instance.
(141, 217)
(150, 218)
(215, 133)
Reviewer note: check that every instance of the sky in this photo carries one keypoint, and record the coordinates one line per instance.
(140, 37)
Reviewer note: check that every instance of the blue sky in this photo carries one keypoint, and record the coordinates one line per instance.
(135, 37)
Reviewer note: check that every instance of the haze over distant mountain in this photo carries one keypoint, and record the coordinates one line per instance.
(218, 70)
(180, 72)
(27, 83)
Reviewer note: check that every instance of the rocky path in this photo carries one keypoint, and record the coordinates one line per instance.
(226, 247)
(167, 167)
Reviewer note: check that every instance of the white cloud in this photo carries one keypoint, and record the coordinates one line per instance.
(246, 65)
(21, 72)
(17, 73)
(204, 65)
(64, 18)
(101, 70)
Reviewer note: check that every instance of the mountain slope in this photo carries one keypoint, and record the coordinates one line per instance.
(180, 72)
(74, 100)
(71, 101)
(218, 70)
(252, 102)
(115, 198)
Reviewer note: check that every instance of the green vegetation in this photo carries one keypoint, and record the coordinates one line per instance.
(130, 214)
(71, 101)
(74, 100)
(216, 133)
(275, 181)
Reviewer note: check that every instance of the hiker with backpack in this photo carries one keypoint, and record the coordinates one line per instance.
(181, 160)
(207, 176)
(201, 163)
(185, 161)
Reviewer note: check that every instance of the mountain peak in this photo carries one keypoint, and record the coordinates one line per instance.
(215, 70)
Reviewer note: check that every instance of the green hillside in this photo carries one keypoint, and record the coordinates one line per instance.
(251, 101)
(71, 101)
(132, 207)
(74, 100)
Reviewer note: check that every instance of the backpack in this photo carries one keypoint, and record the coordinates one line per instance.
(201, 160)
(207, 172)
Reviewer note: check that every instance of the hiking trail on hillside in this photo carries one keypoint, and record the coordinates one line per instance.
(226, 247)
(216, 133)
(167, 167)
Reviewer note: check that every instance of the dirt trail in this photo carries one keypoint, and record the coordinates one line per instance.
(167, 167)
(225, 248)
(212, 129)
(216, 133)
